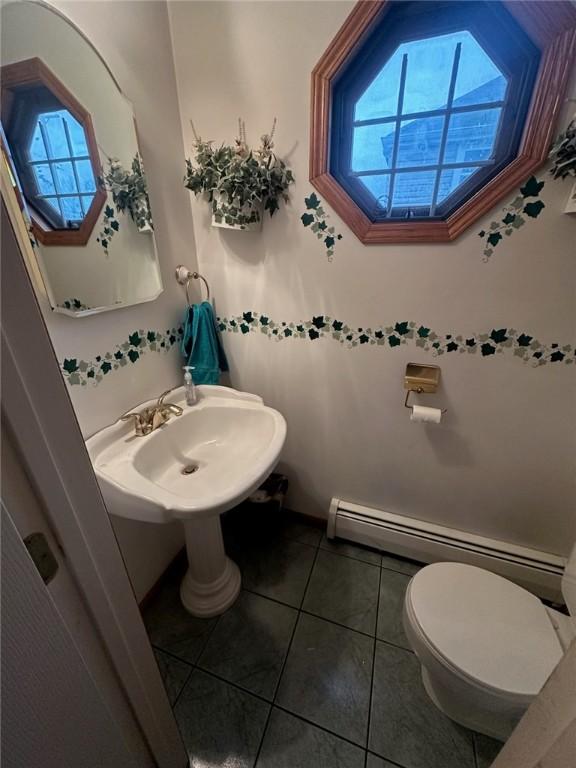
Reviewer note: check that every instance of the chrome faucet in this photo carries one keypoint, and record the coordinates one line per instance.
(149, 419)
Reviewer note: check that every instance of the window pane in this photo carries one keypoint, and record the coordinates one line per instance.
(380, 99)
(65, 178)
(479, 79)
(71, 209)
(369, 147)
(419, 142)
(379, 187)
(37, 148)
(77, 136)
(87, 202)
(472, 135)
(429, 70)
(55, 136)
(53, 203)
(412, 190)
(451, 180)
(85, 176)
(44, 180)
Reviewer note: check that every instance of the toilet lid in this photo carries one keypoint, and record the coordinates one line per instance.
(485, 626)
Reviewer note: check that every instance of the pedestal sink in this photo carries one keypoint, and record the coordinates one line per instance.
(192, 469)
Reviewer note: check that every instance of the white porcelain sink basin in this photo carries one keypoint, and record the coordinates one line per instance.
(192, 468)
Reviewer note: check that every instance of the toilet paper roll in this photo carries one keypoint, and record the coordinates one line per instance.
(426, 415)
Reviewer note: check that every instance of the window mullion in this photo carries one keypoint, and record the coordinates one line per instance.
(47, 149)
(397, 131)
(446, 126)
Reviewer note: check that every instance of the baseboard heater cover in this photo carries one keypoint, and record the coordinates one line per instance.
(539, 572)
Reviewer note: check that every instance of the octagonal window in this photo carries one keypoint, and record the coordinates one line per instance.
(54, 153)
(429, 107)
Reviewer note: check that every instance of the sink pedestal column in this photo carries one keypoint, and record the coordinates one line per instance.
(212, 581)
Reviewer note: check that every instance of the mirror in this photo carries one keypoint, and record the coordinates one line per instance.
(69, 139)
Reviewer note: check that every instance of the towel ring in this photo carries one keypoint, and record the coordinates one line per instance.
(183, 277)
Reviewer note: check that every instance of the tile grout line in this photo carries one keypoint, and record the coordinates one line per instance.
(195, 664)
(372, 675)
(331, 621)
(285, 658)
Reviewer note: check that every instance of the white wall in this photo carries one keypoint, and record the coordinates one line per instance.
(134, 39)
(501, 462)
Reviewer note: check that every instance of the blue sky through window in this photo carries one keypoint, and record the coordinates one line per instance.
(411, 153)
(61, 165)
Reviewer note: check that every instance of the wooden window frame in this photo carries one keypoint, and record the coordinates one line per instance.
(30, 73)
(551, 26)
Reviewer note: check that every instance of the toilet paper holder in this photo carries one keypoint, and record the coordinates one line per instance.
(422, 379)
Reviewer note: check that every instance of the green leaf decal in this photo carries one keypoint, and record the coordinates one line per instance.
(401, 328)
(70, 366)
(532, 188)
(307, 219)
(494, 238)
(312, 202)
(534, 209)
(135, 339)
(133, 355)
(499, 336)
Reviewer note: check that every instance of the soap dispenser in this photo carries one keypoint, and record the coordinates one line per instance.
(189, 388)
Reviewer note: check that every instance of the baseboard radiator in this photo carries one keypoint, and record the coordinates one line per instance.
(540, 572)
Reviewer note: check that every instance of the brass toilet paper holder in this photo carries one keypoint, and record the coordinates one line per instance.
(421, 379)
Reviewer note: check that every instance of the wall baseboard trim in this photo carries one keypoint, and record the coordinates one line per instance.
(539, 572)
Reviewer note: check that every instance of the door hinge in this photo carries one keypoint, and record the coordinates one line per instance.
(43, 557)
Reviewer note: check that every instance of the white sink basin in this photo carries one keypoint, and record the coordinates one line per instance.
(230, 439)
(192, 468)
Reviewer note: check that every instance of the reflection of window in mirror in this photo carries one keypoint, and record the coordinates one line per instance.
(54, 153)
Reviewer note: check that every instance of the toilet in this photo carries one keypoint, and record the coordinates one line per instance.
(486, 645)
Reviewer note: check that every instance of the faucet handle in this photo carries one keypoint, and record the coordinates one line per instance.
(140, 425)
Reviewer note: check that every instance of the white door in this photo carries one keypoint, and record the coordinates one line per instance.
(53, 713)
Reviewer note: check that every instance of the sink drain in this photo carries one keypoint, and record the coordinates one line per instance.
(189, 469)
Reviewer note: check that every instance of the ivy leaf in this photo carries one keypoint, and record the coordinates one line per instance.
(312, 202)
(509, 218)
(264, 320)
(451, 347)
(287, 332)
(379, 334)
(534, 209)
(248, 317)
(364, 339)
(482, 233)
(524, 340)
(135, 339)
(118, 355)
(313, 333)
(105, 367)
(487, 349)
(532, 187)
(244, 328)
(337, 325)
(133, 355)
(499, 336)
(494, 238)
(70, 366)
(318, 322)
(307, 219)
(423, 332)
(90, 373)
(557, 357)
(109, 212)
(322, 225)
(115, 225)
(329, 241)
(401, 328)
(151, 336)
(470, 342)
(393, 341)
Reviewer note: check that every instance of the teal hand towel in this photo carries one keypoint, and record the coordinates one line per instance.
(201, 344)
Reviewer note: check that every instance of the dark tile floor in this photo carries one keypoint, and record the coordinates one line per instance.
(310, 668)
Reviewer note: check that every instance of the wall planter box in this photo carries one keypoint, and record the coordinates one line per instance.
(232, 216)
